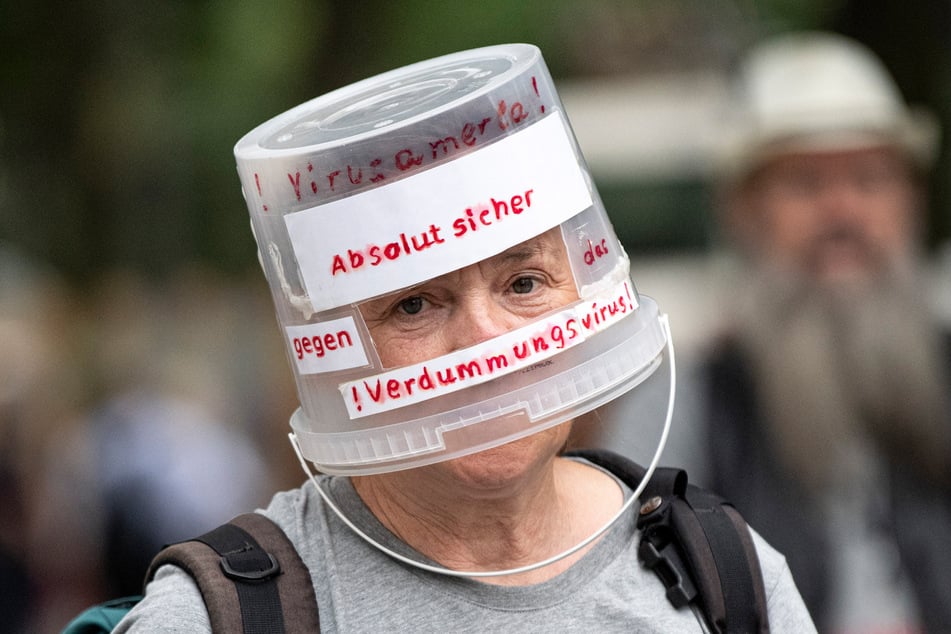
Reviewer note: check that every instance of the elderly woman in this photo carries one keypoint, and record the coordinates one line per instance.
(457, 299)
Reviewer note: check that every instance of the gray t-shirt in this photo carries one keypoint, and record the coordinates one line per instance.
(360, 589)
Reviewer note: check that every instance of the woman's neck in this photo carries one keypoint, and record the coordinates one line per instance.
(467, 523)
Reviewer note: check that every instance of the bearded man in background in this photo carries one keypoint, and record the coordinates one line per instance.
(827, 399)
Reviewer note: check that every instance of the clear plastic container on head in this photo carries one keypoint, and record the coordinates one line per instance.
(410, 176)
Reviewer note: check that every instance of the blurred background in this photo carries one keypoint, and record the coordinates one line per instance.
(144, 393)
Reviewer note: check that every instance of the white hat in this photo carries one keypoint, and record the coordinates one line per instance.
(816, 92)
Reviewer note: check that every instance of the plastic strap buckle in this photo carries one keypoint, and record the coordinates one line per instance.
(669, 566)
(250, 565)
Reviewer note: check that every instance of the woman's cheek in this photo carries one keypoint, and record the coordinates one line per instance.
(396, 351)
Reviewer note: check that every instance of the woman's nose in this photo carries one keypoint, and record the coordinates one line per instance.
(479, 320)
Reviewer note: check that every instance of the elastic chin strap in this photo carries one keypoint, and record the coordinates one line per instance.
(545, 562)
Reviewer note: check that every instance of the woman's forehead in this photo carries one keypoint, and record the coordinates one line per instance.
(548, 244)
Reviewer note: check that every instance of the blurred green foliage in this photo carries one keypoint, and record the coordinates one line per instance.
(117, 119)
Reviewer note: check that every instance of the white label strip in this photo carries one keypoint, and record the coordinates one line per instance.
(327, 346)
(489, 360)
(440, 219)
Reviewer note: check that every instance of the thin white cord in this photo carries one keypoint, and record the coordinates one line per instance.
(545, 562)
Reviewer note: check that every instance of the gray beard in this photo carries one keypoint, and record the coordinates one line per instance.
(848, 372)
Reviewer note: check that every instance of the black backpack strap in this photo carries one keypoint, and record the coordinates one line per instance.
(697, 544)
(250, 576)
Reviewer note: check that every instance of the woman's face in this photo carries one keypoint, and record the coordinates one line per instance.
(473, 304)
(464, 308)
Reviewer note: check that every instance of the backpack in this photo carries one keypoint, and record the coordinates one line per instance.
(250, 576)
(253, 580)
(698, 544)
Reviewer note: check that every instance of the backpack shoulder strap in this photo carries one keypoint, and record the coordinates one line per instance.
(250, 576)
(697, 544)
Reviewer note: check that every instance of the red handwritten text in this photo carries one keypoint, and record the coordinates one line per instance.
(318, 345)
(595, 251)
(407, 244)
(429, 379)
(309, 182)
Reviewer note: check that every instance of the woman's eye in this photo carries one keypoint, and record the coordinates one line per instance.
(411, 305)
(523, 285)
